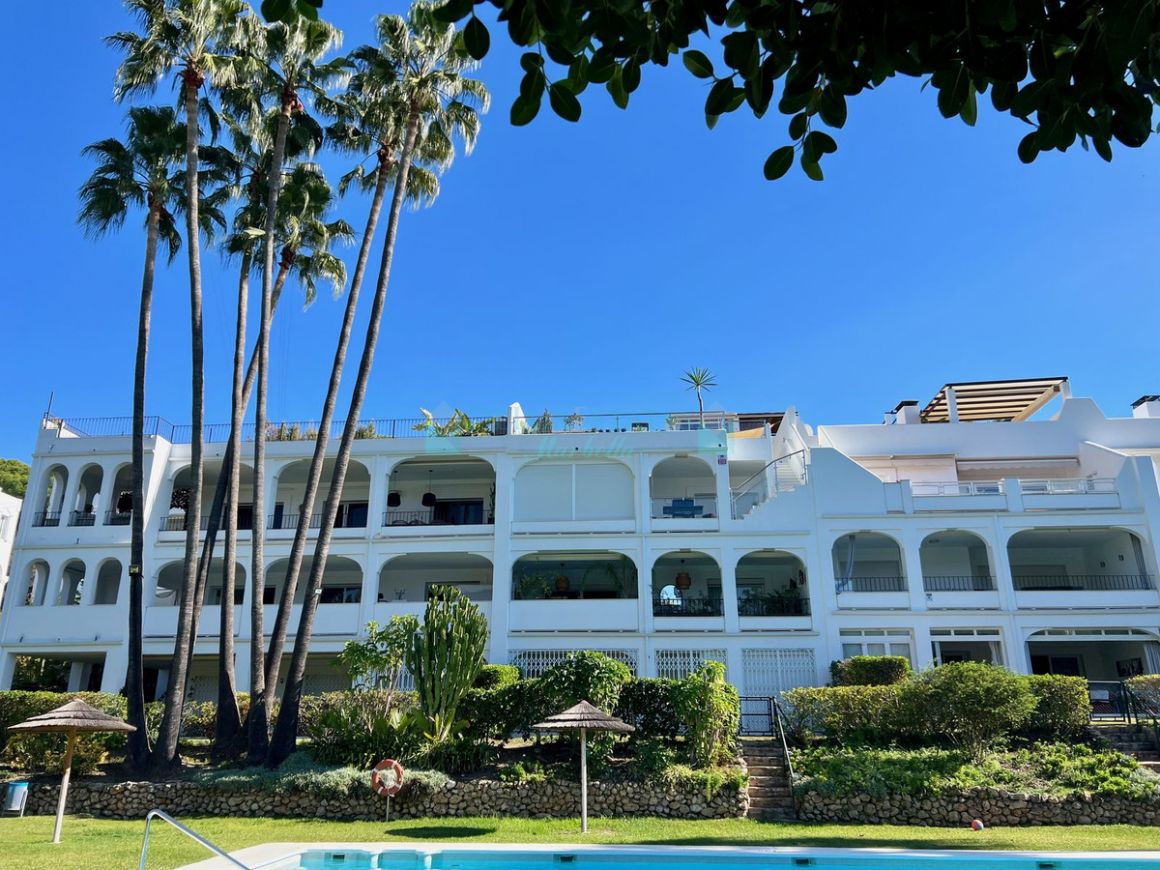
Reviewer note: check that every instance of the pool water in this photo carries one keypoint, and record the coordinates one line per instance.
(686, 859)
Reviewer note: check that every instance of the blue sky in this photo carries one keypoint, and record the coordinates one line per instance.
(584, 267)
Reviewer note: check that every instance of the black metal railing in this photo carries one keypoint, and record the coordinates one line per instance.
(427, 517)
(1110, 699)
(46, 518)
(871, 584)
(1081, 582)
(82, 518)
(118, 518)
(757, 716)
(774, 605)
(178, 524)
(958, 583)
(290, 521)
(693, 606)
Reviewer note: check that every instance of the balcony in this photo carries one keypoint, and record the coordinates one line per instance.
(871, 584)
(1080, 567)
(432, 517)
(774, 605)
(771, 592)
(958, 583)
(868, 572)
(686, 592)
(82, 518)
(964, 495)
(956, 571)
(1082, 582)
(682, 495)
(350, 516)
(687, 607)
(594, 615)
(118, 518)
(46, 519)
(1070, 494)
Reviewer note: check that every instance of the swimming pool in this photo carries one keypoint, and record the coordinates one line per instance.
(383, 856)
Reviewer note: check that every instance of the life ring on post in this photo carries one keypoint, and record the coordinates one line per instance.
(387, 784)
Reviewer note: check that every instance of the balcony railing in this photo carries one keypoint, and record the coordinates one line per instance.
(46, 518)
(1069, 486)
(427, 518)
(693, 606)
(290, 521)
(956, 487)
(695, 508)
(1081, 582)
(871, 584)
(82, 518)
(773, 605)
(118, 518)
(958, 583)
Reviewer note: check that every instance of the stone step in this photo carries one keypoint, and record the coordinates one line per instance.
(765, 769)
(760, 781)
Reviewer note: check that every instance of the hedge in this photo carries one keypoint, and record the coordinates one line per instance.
(496, 676)
(870, 670)
(1063, 707)
(1146, 690)
(648, 705)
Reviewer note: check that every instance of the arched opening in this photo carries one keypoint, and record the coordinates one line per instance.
(52, 497)
(410, 578)
(72, 583)
(120, 504)
(175, 521)
(955, 561)
(441, 492)
(683, 487)
(342, 581)
(1097, 559)
(686, 584)
(772, 583)
(569, 576)
(291, 490)
(567, 491)
(868, 562)
(1107, 655)
(88, 497)
(171, 576)
(108, 582)
(36, 583)
(217, 582)
(167, 593)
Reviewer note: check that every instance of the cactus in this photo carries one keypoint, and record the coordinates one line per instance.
(445, 657)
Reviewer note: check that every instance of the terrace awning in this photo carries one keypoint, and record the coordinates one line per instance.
(992, 400)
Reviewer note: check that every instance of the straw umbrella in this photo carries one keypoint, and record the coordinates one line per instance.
(72, 718)
(584, 717)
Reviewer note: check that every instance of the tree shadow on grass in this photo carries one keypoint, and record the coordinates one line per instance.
(439, 832)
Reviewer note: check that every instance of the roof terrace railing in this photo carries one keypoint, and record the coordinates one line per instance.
(406, 427)
(921, 488)
(1067, 486)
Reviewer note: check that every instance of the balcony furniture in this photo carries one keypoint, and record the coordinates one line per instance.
(683, 508)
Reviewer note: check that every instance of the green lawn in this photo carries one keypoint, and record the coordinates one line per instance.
(93, 843)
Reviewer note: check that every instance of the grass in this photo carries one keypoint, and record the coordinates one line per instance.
(108, 844)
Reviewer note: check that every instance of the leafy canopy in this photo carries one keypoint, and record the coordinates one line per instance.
(1073, 71)
(13, 477)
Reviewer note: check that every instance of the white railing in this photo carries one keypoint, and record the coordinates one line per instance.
(784, 474)
(193, 835)
(926, 488)
(1068, 486)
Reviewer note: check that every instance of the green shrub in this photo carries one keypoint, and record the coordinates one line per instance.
(710, 709)
(457, 755)
(496, 676)
(708, 781)
(585, 676)
(849, 715)
(356, 729)
(652, 758)
(314, 706)
(41, 753)
(870, 670)
(969, 704)
(496, 714)
(530, 771)
(1062, 707)
(302, 774)
(648, 705)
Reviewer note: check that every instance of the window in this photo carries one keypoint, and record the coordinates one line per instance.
(351, 515)
(876, 642)
(458, 512)
(340, 595)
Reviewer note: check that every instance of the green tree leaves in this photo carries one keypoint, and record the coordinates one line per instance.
(476, 38)
(698, 64)
(564, 102)
(779, 162)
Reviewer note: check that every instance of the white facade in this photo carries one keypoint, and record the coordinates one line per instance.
(1032, 544)
(9, 514)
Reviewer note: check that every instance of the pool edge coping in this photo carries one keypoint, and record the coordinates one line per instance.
(264, 854)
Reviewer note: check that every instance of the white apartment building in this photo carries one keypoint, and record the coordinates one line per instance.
(1005, 521)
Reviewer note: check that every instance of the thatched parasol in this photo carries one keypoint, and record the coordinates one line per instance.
(71, 718)
(584, 717)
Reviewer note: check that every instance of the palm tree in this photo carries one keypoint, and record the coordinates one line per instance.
(416, 76)
(286, 60)
(700, 380)
(142, 172)
(186, 37)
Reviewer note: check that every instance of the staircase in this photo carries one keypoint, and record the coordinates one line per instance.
(1138, 741)
(770, 794)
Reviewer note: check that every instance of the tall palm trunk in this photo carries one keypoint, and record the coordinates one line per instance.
(134, 689)
(259, 727)
(228, 720)
(213, 523)
(298, 549)
(165, 752)
(286, 729)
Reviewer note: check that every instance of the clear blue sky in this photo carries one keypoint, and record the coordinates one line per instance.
(583, 267)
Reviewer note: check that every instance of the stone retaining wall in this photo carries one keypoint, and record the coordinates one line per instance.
(131, 800)
(991, 806)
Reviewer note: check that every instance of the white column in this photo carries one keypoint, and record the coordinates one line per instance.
(923, 654)
(501, 572)
(912, 567)
(729, 558)
(7, 670)
(724, 493)
(76, 676)
(242, 664)
(1001, 570)
(116, 666)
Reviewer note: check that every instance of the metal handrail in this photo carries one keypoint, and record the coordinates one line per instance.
(778, 716)
(741, 489)
(165, 817)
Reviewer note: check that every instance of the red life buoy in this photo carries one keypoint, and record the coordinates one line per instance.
(387, 786)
